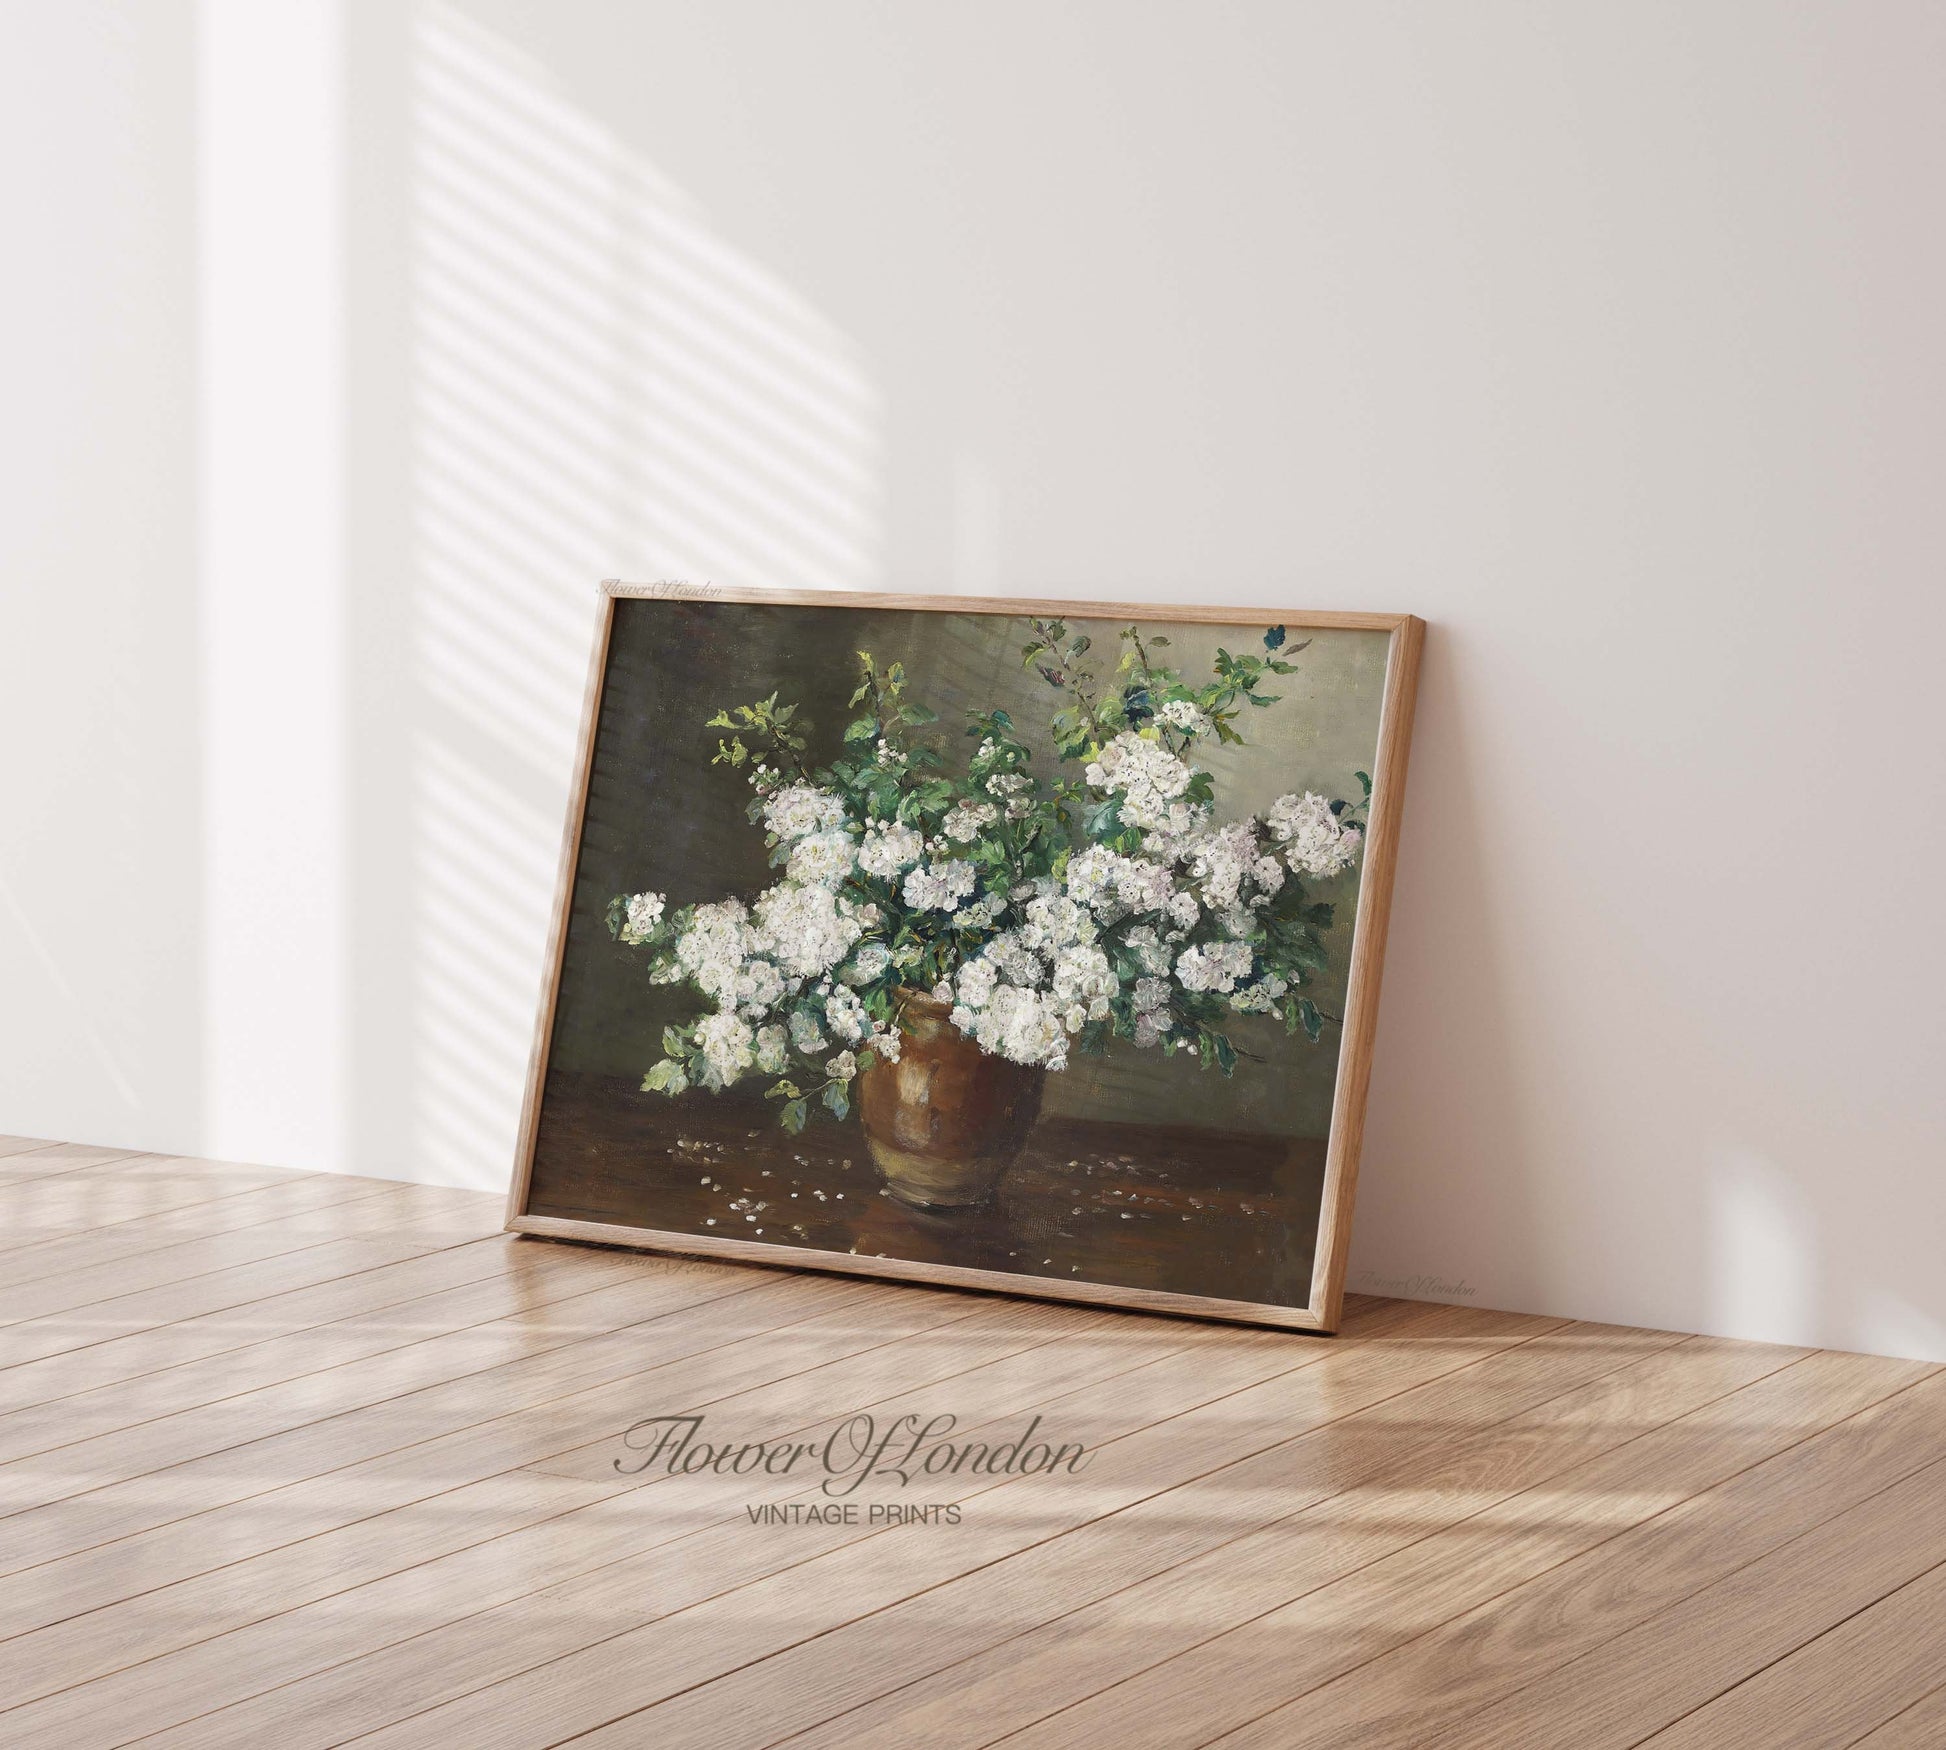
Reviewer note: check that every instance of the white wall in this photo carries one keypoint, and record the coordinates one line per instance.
(346, 346)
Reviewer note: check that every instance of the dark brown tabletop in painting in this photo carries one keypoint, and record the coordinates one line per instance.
(1186, 1210)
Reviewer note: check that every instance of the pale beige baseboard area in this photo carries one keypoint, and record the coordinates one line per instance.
(309, 1459)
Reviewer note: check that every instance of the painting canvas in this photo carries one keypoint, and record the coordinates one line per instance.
(1019, 945)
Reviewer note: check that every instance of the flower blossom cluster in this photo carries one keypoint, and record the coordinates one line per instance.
(1314, 842)
(1032, 987)
(1045, 919)
(641, 914)
(940, 886)
(1146, 774)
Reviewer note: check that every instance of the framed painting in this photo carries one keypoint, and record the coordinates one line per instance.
(1013, 945)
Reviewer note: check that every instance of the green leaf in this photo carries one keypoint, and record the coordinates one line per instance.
(784, 1090)
(836, 1099)
(917, 714)
(862, 729)
(1158, 644)
(793, 1116)
(665, 1078)
(674, 1042)
(1313, 1022)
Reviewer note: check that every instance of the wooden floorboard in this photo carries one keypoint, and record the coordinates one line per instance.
(1922, 1726)
(52, 1159)
(303, 1460)
(1480, 1443)
(1831, 1690)
(87, 1199)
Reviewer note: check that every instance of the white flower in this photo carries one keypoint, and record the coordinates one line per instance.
(1018, 1024)
(939, 886)
(1219, 860)
(842, 1067)
(1018, 963)
(1314, 843)
(976, 981)
(869, 963)
(725, 1042)
(1151, 993)
(643, 916)
(1091, 875)
(1213, 966)
(1115, 885)
(1083, 977)
(712, 949)
(888, 847)
(1149, 948)
(1143, 886)
(1236, 920)
(887, 1044)
(1172, 834)
(1181, 714)
(968, 819)
(805, 1034)
(805, 928)
(1005, 784)
(824, 858)
(1053, 922)
(1184, 910)
(773, 1049)
(798, 810)
(845, 1015)
(756, 989)
(983, 911)
(1146, 773)
(891, 758)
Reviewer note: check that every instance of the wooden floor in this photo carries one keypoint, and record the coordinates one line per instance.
(297, 1460)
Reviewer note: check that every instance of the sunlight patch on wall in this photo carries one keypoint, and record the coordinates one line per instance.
(1763, 1270)
(602, 385)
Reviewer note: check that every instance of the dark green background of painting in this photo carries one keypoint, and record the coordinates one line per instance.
(660, 817)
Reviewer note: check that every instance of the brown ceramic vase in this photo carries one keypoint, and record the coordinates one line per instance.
(947, 1120)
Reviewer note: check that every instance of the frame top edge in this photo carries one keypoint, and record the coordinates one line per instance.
(1241, 614)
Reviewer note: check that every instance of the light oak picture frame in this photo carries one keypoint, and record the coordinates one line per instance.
(1319, 1309)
